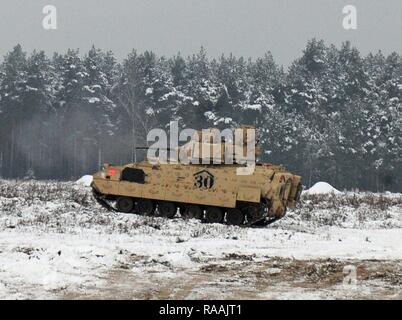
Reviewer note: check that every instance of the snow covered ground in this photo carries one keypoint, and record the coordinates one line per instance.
(56, 242)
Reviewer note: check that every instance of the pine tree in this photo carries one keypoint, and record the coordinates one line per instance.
(203, 90)
(38, 99)
(71, 75)
(96, 107)
(11, 106)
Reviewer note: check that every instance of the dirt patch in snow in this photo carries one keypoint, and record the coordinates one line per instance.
(275, 278)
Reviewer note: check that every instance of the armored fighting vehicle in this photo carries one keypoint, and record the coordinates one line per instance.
(213, 191)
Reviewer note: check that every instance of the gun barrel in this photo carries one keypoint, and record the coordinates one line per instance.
(149, 148)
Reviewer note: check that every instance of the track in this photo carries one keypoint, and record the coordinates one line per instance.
(261, 222)
(102, 201)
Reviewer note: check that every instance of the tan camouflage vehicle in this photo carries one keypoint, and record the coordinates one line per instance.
(213, 192)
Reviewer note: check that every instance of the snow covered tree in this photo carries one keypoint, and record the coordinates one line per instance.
(13, 80)
(96, 110)
(333, 115)
(38, 98)
(203, 90)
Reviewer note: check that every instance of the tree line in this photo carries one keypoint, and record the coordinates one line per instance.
(333, 115)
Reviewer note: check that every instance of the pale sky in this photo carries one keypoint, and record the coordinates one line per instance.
(242, 27)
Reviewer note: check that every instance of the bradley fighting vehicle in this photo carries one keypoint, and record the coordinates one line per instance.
(212, 192)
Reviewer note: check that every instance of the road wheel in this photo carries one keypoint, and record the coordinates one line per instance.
(167, 209)
(234, 217)
(125, 204)
(194, 212)
(145, 207)
(253, 212)
(214, 215)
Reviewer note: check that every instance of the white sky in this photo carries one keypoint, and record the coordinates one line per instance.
(243, 27)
